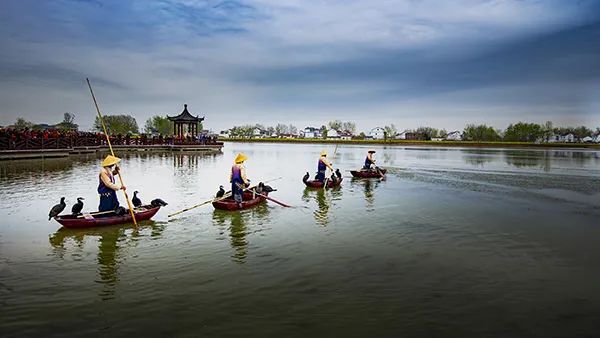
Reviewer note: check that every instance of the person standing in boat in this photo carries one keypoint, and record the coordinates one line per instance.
(322, 166)
(107, 189)
(238, 177)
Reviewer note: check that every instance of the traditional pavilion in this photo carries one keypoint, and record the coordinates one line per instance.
(185, 124)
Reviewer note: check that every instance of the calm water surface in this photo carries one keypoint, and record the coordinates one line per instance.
(454, 243)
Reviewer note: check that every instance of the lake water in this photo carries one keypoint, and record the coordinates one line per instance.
(454, 243)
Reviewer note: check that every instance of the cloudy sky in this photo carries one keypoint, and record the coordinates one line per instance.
(411, 63)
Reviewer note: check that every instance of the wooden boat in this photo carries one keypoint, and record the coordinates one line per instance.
(319, 184)
(98, 219)
(248, 200)
(367, 173)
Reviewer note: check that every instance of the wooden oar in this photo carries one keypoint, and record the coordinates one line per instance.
(269, 198)
(227, 195)
(111, 151)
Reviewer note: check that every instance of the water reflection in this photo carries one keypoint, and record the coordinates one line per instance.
(239, 223)
(193, 160)
(478, 157)
(111, 241)
(324, 199)
(19, 168)
(369, 186)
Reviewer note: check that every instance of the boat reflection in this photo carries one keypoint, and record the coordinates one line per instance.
(368, 186)
(112, 240)
(238, 223)
(325, 200)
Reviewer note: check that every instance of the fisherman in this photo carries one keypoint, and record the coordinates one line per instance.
(238, 178)
(322, 166)
(106, 186)
(369, 161)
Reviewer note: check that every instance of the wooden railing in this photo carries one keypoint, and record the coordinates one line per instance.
(72, 142)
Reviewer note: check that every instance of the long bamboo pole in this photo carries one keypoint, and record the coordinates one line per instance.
(111, 151)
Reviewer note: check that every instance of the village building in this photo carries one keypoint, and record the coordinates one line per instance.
(454, 136)
(377, 133)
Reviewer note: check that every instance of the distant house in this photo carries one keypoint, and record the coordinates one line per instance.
(224, 134)
(275, 135)
(437, 139)
(567, 138)
(597, 139)
(400, 136)
(587, 139)
(377, 133)
(454, 136)
(333, 134)
(311, 132)
(553, 138)
(346, 135)
(283, 135)
(259, 133)
(407, 135)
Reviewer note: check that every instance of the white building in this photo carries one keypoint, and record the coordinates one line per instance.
(400, 136)
(333, 134)
(568, 138)
(224, 134)
(587, 139)
(597, 139)
(377, 133)
(454, 136)
(346, 135)
(311, 132)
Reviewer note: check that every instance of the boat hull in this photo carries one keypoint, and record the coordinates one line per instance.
(141, 214)
(319, 184)
(247, 202)
(367, 173)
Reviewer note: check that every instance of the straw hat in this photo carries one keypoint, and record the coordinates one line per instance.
(240, 158)
(371, 151)
(324, 153)
(110, 160)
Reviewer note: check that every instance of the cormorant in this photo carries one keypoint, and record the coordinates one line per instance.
(77, 207)
(266, 188)
(135, 200)
(306, 177)
(57, 209)
(158, 202)
(221, 192)
(338, 173)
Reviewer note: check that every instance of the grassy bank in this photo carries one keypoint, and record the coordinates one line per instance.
(419, 143)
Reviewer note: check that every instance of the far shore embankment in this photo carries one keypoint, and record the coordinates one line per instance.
(401, 143)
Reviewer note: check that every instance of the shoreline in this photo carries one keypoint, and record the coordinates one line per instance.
(457, 144)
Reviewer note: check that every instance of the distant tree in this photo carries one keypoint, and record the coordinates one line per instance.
(335, 124)
(523, 132)
(362, 135)
(281, 129)
(270, 131)
(160, 124)
(68, 122)
(21, 123)
(349, 126)
(480, 132)
(118, 124)
(442, 133)
(390, 131)
(292, 129)
(582, 132)
(427, 132)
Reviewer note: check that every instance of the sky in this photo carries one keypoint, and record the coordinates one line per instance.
(412, 63)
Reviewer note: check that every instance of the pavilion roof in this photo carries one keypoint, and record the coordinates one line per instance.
(185, 116)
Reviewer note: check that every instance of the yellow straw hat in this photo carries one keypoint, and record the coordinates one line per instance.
(240, 158)
(110, 160)
(324, 153)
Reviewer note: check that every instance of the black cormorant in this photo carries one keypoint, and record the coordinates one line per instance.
(77, 207)
(57, 209)
(306, 177)
(221, 192)
(135, 200)
(158, 202)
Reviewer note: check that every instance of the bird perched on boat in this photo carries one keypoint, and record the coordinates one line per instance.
(57, 209)
(306, 177)
(221, 192)
(263, 187)
(137, 202)
(77, 207)
(338, 173)
(157, 202)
